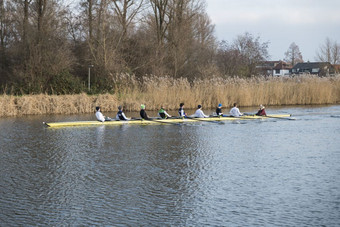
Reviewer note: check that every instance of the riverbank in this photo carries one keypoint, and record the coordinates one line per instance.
(169, 92)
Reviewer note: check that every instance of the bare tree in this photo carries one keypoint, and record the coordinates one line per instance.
(4, 23)
(126, 11)
(179, 35)
(250, 51)
(161, 20)
(329, 52)
(41, 6)
(226, 59)
(205, 46)
(99, 37)
(109, 25)
(188, 37)
(38, 47)
(45, 41)
(3, 26)
(293, 54)
(204, 30)
(90, 19)
(241, 57)
(25, 23)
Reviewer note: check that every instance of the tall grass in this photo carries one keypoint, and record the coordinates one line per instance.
(169, 92)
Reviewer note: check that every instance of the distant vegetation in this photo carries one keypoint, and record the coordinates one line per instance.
(154, 52)
(49, 47)
(169, 92)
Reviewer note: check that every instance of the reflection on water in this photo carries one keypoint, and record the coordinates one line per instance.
(246, 173)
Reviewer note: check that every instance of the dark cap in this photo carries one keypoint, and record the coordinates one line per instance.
(97, 108)
(199, 106)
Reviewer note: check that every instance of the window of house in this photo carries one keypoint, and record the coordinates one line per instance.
(277, 71)
(315, 70)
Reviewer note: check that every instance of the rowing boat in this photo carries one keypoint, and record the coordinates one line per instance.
(163, 121)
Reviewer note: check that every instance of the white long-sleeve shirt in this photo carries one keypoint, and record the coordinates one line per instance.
(235, 112)
(100, 116)
(199, 113)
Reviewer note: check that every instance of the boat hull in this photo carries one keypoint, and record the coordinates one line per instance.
(162, 121)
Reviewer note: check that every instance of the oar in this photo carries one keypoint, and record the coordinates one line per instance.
(157, 120)
(241, 116)
(196, 119)
(268, 116)
(284, 118)
(160, 120)
(323, 113)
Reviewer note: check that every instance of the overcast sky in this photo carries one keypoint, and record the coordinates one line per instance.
(306, 22)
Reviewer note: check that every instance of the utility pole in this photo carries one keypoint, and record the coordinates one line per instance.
(89, 79)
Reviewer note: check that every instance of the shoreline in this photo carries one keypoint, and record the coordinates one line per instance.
(300, 90)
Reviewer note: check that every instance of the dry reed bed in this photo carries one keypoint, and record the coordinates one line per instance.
(157, 91)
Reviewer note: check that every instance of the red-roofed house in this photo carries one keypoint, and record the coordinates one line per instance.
(337, 68)
(282, 69)
(274, 68)
(266, 67)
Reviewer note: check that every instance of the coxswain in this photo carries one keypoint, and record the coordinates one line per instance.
(163, 114)
(142, 113)
(120, 114)
(235, 112)
(262, 111)
(199, 113)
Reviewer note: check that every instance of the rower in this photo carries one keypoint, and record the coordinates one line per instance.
(143, 113)
(219, 110)
(120, 115)
(235, 112)
(181, 110)
(100, 116)
(199, 113)
(163, 114)
(262, 111)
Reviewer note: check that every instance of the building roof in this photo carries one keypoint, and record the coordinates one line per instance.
(309, 65)
(282, 65)
(267, 65)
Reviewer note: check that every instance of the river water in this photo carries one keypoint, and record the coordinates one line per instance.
(270, 172)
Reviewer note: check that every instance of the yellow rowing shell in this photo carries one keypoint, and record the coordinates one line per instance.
(164, 121)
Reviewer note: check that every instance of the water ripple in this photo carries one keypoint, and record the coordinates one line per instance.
(254, 173)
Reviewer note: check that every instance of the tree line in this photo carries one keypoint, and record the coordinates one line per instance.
(49, 46)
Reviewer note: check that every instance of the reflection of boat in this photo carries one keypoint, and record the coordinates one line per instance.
(165, 121)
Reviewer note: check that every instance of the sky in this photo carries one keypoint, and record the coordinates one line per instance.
(306, 22)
